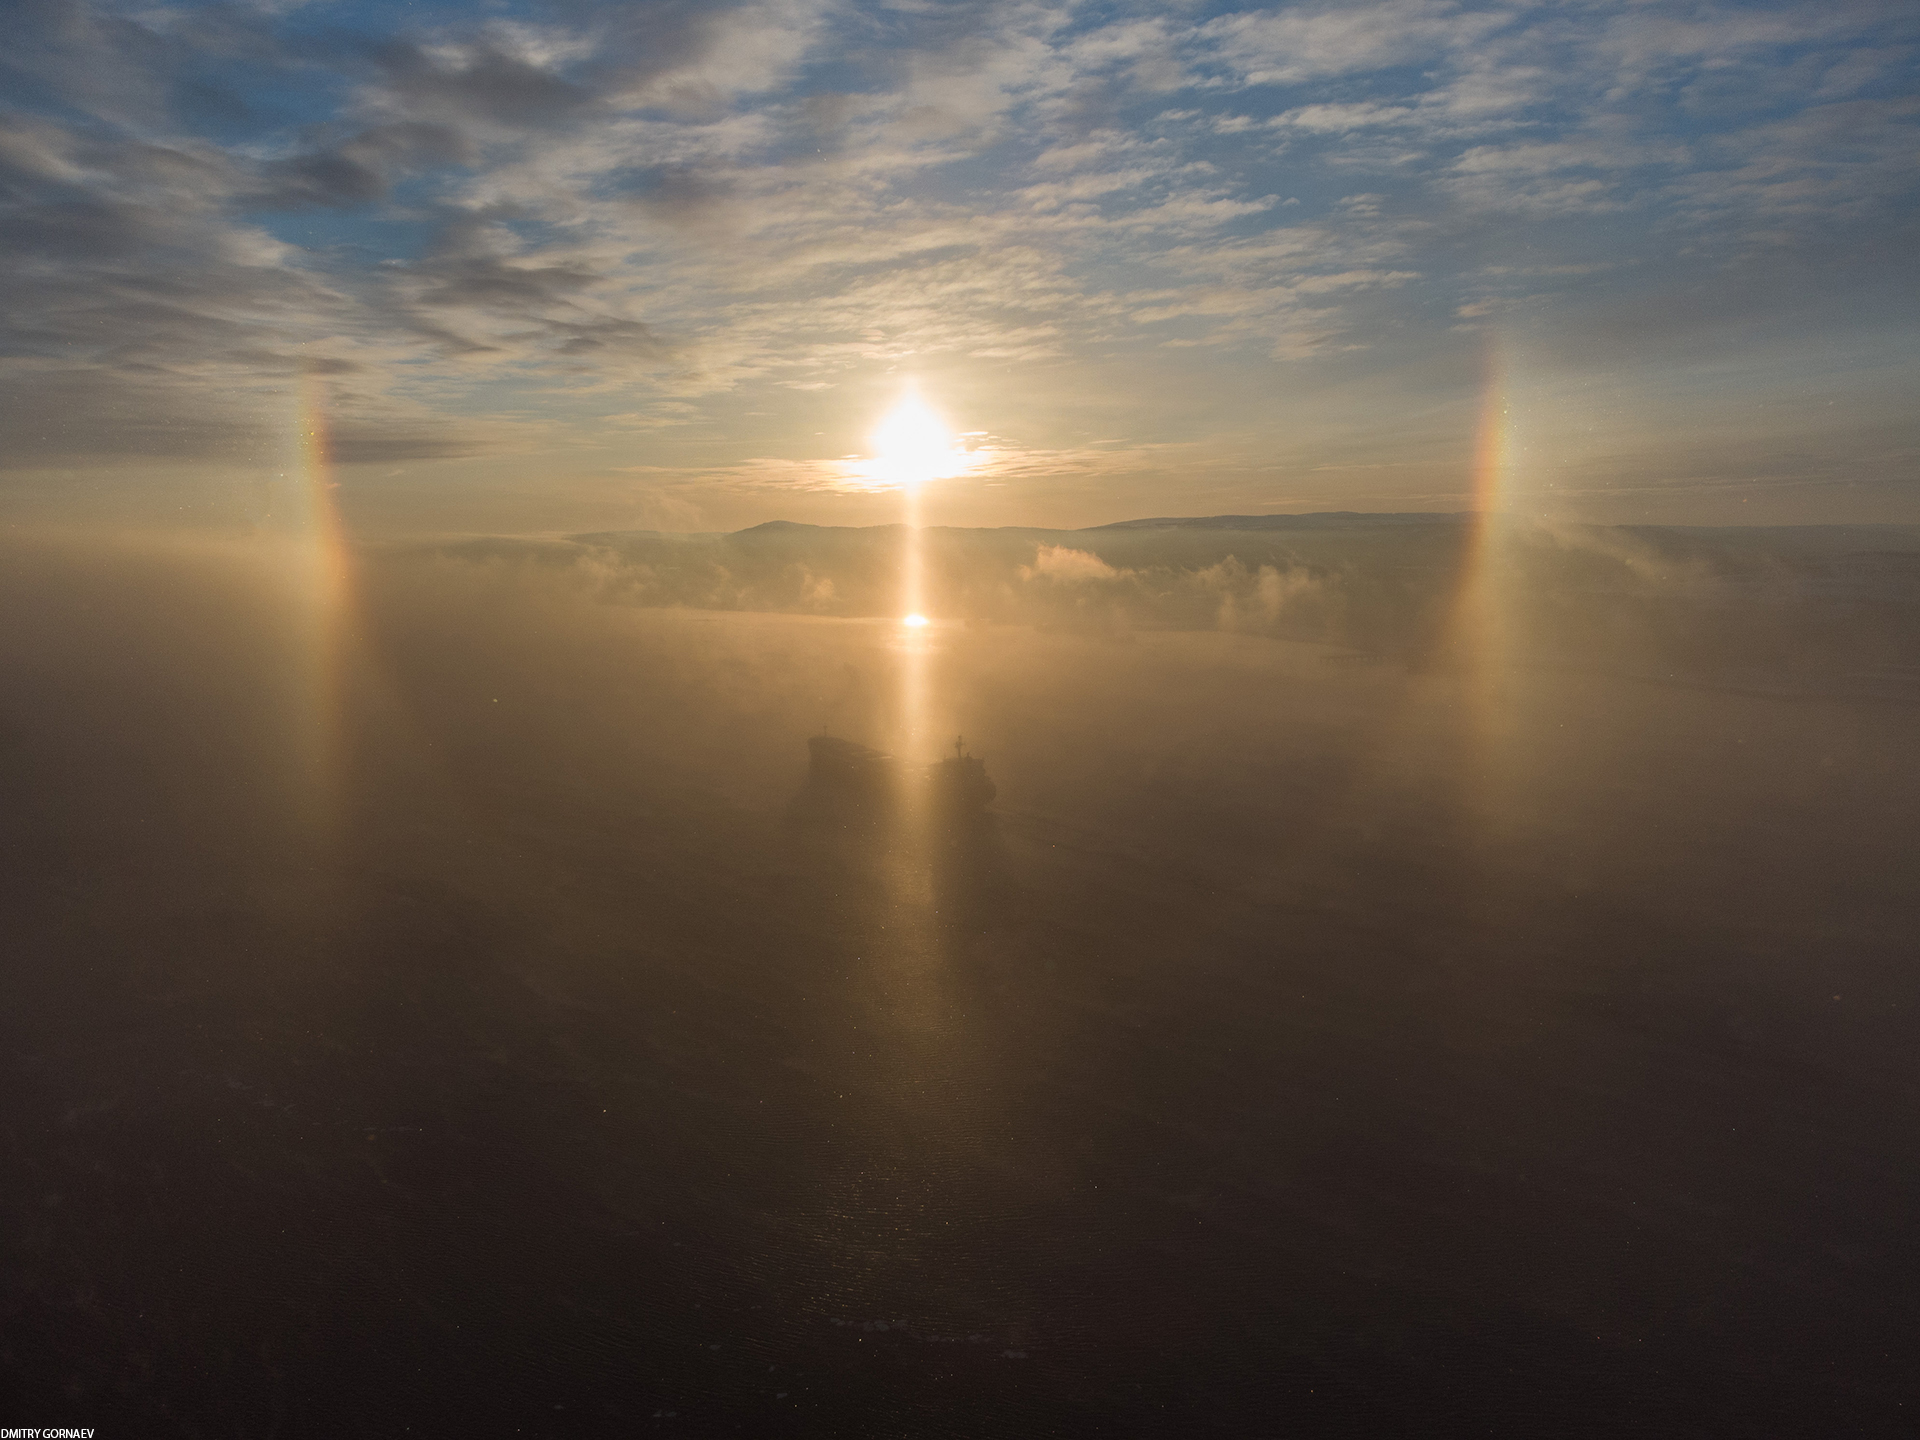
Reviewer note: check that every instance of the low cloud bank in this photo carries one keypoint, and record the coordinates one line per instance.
(1830, 605)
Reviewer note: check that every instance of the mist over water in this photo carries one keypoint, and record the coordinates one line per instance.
(1835, 607)
(1344, 1020)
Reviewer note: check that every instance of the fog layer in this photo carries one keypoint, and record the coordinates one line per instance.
(433, 1009)
(1834, 605)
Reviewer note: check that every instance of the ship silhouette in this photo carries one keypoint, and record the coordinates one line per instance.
(859, 775)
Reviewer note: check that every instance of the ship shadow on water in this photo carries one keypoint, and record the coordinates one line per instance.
(861, 812)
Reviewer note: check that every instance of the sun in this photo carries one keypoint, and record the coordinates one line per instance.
(914, 621)
(912, 445)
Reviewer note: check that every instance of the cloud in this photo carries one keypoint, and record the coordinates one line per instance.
(1343, 119)
(1287, 46)
(360, 169)
(651, 218)
(1062, 562)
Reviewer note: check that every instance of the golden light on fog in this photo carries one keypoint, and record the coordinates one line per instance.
(913, 622)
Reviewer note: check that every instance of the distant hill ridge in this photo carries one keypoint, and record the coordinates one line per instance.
(1316, 520)
(1441, 525)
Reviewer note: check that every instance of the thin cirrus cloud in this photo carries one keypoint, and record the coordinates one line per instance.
(702, 241)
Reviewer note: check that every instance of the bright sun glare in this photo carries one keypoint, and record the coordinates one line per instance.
(912, 446)
(915, 621)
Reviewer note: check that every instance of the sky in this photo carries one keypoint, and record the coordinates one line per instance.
(551, 267)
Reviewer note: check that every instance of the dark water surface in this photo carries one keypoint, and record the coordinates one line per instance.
(1301, 1046)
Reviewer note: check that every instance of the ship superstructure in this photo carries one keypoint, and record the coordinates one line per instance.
(961, 780)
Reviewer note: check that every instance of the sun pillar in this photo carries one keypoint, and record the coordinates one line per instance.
(1478, 648)
(914, 626)
(913, 448)
(1479, 620)
(322, 572)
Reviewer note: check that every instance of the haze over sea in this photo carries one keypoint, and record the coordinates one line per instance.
(1299, 1044)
